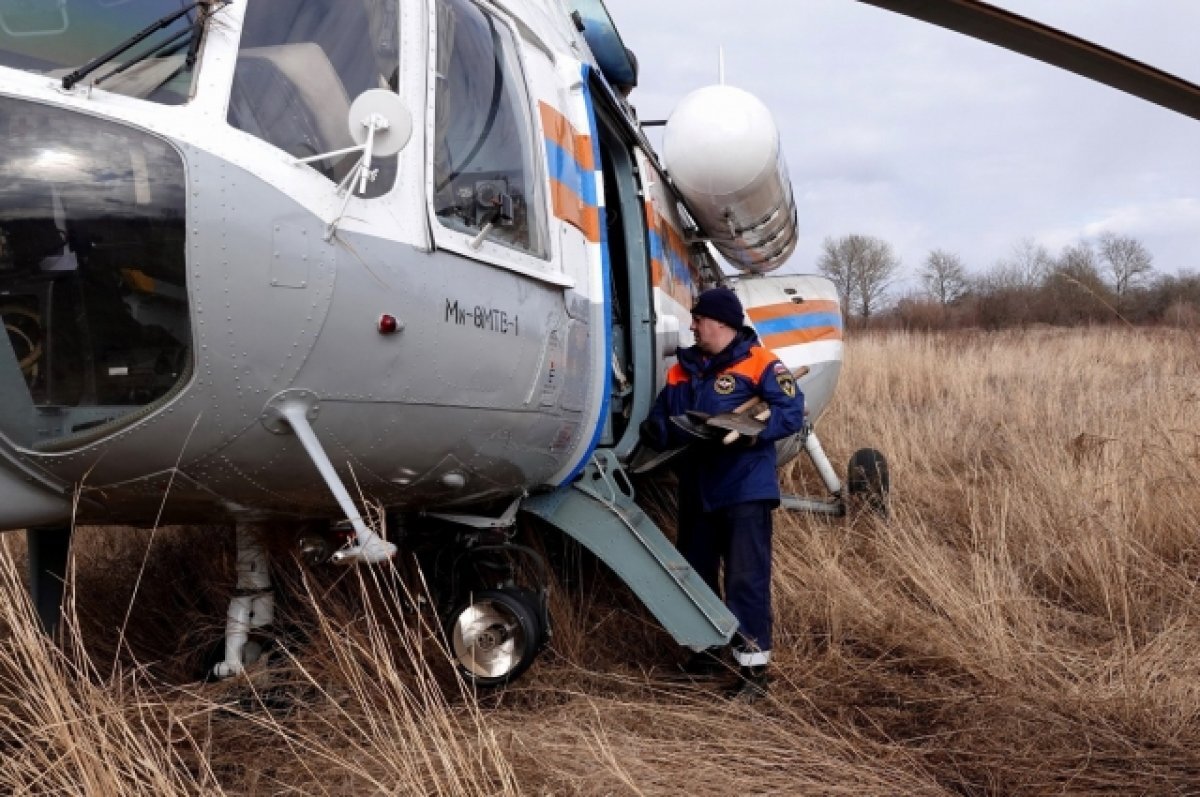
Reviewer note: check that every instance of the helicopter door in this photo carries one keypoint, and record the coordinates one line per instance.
(629, 290)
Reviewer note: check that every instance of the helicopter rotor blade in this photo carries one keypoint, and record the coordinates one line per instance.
(1022, 35)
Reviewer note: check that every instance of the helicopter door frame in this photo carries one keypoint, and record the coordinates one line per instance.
(632, 319)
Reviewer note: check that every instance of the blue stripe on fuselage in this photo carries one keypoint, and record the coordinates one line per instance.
(565, 169)
(774, 326)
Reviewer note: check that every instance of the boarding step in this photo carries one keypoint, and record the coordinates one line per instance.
(598, 511)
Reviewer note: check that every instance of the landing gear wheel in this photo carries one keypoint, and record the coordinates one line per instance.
(867, 478)
(495, 636)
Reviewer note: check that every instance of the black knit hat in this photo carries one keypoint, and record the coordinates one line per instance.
(720, 304)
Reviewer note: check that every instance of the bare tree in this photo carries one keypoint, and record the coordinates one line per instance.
(1027, 267)
(1031, 262)
(1079, 262)
(1078, 265)
(840, 263)
(1127, 260)
(879, 266)
(861, 267)
(944, 276)
(1075, 291)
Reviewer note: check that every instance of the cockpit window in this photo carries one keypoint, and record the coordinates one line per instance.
(93, 291)
(56, 37)
(301, 64)
(485, 179)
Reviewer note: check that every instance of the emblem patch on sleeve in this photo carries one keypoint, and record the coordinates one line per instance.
(725, 384)
(787, 383)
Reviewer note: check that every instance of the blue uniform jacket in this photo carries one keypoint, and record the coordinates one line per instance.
(719, 475)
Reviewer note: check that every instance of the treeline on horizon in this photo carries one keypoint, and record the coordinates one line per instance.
(1109, 280)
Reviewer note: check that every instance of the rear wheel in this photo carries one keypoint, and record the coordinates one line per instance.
(868, 480)
(495, 635)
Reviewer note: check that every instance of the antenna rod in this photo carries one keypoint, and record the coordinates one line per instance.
(721, 65)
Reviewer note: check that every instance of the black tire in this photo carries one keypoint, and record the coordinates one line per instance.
(867, 478)
(494, 636)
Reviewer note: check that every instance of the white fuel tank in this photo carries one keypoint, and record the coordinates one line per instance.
(721, 149)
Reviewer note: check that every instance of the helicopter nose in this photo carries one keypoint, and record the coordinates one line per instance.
(92, 274)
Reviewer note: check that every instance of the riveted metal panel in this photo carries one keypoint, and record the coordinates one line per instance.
(574, 396)
(290, 253)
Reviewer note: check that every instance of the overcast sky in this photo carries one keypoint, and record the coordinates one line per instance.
(928, 139)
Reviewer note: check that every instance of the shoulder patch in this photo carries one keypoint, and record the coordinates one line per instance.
(787, 382)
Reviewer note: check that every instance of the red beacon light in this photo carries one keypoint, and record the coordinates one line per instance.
(388, 324)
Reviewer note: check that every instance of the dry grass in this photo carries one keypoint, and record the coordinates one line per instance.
(1027, 623)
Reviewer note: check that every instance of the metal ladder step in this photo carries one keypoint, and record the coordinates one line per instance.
(596, 512)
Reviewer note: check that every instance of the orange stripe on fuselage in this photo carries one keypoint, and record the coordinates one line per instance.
(798, 336)
(559, 130)
(570, 208)
(674, 255)
(567, 204)
(788, 309)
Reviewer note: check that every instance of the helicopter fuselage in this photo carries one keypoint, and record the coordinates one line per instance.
(502, 298)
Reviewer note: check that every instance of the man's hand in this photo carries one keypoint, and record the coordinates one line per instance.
(748, 440)
(747, 420)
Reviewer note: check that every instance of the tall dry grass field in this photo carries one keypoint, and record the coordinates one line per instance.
(1026, 623)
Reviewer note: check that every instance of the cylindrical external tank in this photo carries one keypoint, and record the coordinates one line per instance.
(721, 149)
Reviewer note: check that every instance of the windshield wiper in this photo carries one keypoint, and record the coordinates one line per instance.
(91, 66)
(161, 50)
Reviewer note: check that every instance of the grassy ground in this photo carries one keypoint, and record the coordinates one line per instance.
(1026, 623)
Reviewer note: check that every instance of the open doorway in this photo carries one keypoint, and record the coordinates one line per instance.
(629, 288)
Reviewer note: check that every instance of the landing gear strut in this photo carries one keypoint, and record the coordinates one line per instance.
(251, 609)
(49, 547)
(867, 479)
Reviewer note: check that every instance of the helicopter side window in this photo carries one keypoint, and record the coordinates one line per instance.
(485, 179)
(300, 65)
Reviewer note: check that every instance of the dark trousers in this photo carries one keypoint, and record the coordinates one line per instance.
(738, 536)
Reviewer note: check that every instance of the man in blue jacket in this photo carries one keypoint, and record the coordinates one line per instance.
(727, 491)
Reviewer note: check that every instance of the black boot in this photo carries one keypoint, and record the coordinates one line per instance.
(706, 663)
(751, 685)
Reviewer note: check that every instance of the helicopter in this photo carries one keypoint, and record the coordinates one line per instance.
(254, 254)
